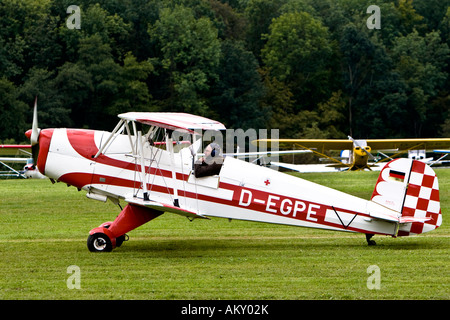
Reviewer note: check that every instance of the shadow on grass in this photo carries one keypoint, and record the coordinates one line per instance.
(212, 246)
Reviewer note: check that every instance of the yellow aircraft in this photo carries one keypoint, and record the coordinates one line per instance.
(360, 149)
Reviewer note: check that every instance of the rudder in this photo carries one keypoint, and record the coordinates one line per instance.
(411, 188)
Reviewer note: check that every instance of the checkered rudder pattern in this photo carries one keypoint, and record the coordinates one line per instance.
(421, 200)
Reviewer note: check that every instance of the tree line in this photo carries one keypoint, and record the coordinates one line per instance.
(311, 69)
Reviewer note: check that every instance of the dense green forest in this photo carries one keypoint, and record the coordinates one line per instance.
(311, 68)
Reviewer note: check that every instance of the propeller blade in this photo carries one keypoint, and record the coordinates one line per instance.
(355, 142)
(35, 130)
(34, 138)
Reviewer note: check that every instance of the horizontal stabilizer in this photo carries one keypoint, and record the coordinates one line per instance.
(413, 219)
(379, 212)
(164, 207)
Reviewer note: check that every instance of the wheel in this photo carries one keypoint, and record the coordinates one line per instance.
(121, 239)
(99, 242)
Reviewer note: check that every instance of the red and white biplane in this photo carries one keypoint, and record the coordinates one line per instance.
(156, 175)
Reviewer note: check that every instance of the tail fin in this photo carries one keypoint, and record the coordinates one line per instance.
(411, 188)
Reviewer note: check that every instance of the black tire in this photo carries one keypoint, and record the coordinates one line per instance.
(120, 240)
(99, 242)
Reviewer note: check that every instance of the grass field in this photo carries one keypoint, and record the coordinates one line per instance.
(44, 227)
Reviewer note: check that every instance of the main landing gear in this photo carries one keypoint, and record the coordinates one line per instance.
(369, 241)
(111, 235)
(101, 242)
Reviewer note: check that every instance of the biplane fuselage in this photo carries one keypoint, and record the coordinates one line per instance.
(241, 191)
(158, 177)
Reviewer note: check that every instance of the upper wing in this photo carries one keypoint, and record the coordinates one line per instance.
(375, 144)
(13, 160)
(441, 151)
(174, 121)
(14, 149)
(405, 144)
(320, 144)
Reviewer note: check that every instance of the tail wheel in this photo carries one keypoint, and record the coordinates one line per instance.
(369, 241)
(99, 242)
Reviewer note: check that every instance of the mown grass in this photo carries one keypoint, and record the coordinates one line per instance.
(43, 231)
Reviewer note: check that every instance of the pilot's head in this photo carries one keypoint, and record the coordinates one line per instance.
(213, 152)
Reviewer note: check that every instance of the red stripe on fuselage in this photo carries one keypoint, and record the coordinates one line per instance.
(274, 204)
(83, 142)
(81, 179)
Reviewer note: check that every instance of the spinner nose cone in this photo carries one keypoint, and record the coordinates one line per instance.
(28, 133)
(41, 147)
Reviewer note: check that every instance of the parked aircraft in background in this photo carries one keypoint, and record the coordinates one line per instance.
(18, 153)
(356, 154)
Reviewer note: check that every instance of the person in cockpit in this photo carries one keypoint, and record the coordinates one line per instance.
(211, 163)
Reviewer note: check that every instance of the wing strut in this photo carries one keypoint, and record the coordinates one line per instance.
(113, 134)
(144, 180)
(169, 146)
(323, 155)
(13, 170)
(345, 226)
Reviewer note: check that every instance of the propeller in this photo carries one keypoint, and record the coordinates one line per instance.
(363, 148)
(34, 139)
